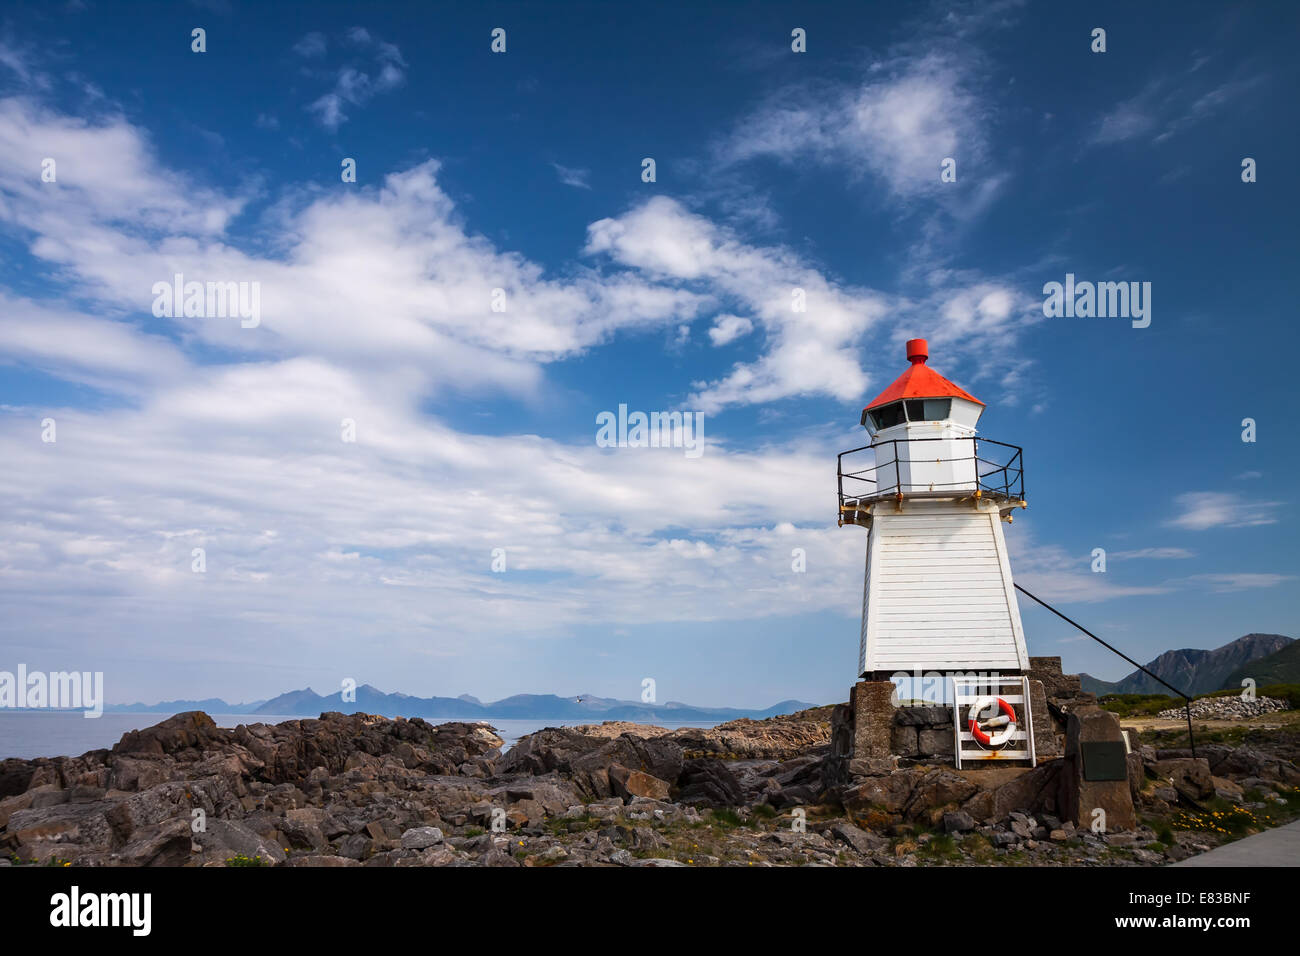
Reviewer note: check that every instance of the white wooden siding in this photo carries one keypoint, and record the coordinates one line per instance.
(938, 593)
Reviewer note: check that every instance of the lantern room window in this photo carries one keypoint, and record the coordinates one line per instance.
(887, 416)
(912, 410)
(928, 409)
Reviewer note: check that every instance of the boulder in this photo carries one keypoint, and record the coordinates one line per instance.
(1029, 792)
(1226, 789)
(356, 846)
(654, 862)
(938, 788)
(227, 838)
(302, 828)
(192, 730)
(169, 843)
(15, 776)
(861, 840)
(775, 738)
(957, 821)
(129, 773)
(890, 792)
(8, 805)
(617, 728)
(321, 859)
(551, 749)
(552, 796)
(1189, 776)
(45, 832)
(636, 783)
(420, 838)
(710, 782)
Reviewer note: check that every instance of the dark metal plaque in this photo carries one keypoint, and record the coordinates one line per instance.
(1104, 760)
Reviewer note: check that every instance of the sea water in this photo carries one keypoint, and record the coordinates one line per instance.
(30, 734)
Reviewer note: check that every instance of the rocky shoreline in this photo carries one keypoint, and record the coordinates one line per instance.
(359, 790)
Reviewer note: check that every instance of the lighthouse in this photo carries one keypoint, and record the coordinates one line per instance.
(938, 594)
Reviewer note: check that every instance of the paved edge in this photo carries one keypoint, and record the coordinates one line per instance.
(1277, 847)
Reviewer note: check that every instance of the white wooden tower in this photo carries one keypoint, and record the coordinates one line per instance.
(938, 594)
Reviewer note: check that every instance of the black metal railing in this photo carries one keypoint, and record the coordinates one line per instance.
(1001, 475)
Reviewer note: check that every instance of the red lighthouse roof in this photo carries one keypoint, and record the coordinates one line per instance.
(920, 381)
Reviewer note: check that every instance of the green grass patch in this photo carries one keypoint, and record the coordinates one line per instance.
(1136, 705)
(940, 848)
(726, 818)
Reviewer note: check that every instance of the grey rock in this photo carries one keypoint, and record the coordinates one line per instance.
(958, 822)
(234, 838)
(861, 840)
(320, 859)
(655, 861)
(354, 846)
(419, 838)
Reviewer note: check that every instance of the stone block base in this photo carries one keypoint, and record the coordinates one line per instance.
(873, 714)
(869, 735)
(1079, 798)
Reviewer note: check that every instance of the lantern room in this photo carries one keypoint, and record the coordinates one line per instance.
(921, 428)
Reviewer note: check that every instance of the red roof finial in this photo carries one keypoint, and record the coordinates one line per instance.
(920, 381)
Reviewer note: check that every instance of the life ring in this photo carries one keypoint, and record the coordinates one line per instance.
(1008, 717)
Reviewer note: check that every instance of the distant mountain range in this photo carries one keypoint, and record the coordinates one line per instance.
(1200, 672)
(1268, 658)
(371, 700)
(1282, 667)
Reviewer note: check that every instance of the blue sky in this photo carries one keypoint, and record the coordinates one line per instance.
(476, 429)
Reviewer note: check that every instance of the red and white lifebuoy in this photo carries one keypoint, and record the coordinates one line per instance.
(1007, 720)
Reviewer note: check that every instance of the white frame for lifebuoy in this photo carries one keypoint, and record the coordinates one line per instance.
(973, 721)
(979, 692)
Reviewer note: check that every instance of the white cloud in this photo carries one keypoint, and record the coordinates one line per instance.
(1223, 583)
(106, 172)
(1201, 510)
(382, 70)
(385, 277)
(811, 352)
(727, 328)
(1166, 106)
(578, 178)
(99, 352)
(898, 125)
(311, 45)
(1058, 577)
(1151, 554)
(374, 300)
(378, 298)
